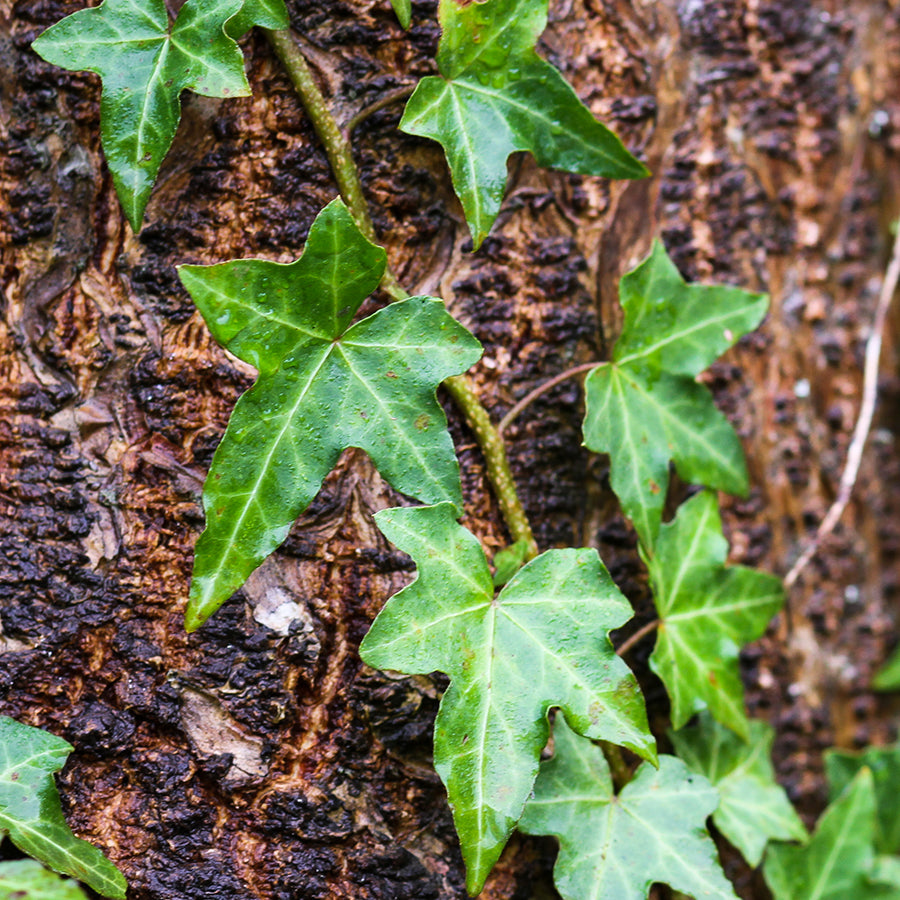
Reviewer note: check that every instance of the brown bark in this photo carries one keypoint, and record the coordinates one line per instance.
(258, 758)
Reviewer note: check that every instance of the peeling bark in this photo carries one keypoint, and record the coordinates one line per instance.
(258, 758)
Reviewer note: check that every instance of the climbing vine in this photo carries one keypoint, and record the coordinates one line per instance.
(525, 636)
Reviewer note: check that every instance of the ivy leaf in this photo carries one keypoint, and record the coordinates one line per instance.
(30, 811)
(707, 611)
(25, 879)
(403, 11)
(888, 677)
(614, 847)
(323, 386)
(837, 863)
(145, 65)
(645, 408)
(543, 642)
(753, 808)
(261, 13)
(494, 96)
(884, 763)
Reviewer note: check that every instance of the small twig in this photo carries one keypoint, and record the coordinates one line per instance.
(387, 99)
(863, 423)
(637, 636)
(529, 398)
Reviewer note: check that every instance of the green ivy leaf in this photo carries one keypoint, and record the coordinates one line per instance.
(707, 612)
(884, 763)
(324, 385)
(25, 879)
(838, 861)
(753, 808)
(403, 11)
(30, 811)
(614, 847)
(260, 13)
(542, 642)
(884, 878)
(145, 65)
(508, 561)
(645, 408)
(494, 96)
(888, 677)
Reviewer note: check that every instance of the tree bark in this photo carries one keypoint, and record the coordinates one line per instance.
(258, 757)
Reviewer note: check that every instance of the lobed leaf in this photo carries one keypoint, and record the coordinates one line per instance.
(30, 811)
(145, 63)
(615, 847)
(707, 612)
(25, 879)
(645, 408)
(324, 385)
(495, 95)
(753, 808)
(884, 764)
(838, 862)
(542, 642)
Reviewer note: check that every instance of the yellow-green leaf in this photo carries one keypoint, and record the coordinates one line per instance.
(707, 612)
(645, 408)
(25, 879)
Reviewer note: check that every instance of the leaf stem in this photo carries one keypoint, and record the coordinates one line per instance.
(639, 635)
(461, 389)
(529, 398)
(391, 97)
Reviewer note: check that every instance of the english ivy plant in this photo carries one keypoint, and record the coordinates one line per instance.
(542, 642)
(645, 407)
(145, 63)
(26, 879)
(533, 635)
(495, 95)
(324, 385)
(31, 815)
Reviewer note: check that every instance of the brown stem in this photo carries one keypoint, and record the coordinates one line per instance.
(461, 388)
(637, 636)
(529, 398)
(387, 99)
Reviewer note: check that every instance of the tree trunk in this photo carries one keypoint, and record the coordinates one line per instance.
(258, 757)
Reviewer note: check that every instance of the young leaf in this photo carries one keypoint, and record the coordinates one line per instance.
(145, 65)
(753, 808)
(323, 386)
(30, 811)
(25, 879)
(888, 676)
(494, 96)
(645, 408)
(403, 11)
(837, 863)
(884, 764)
(261, 13)
(707, 611)
(542, 642)
(615, 847)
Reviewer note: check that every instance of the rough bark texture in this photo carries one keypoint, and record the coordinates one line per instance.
(258, 758)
